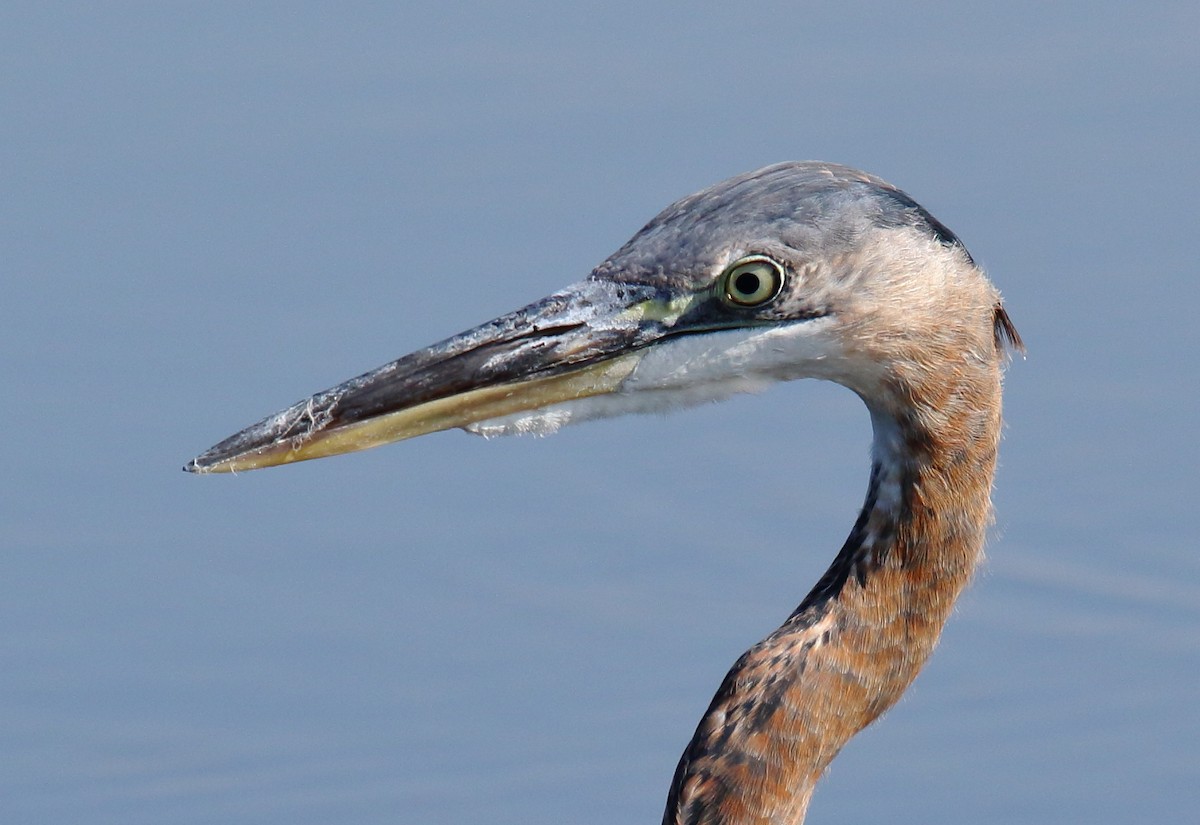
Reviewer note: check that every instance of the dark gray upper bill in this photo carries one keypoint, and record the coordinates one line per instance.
(564, 331)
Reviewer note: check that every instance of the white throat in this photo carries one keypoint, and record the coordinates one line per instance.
(694, 369)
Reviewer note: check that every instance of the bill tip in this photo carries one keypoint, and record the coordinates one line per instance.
(194, 468)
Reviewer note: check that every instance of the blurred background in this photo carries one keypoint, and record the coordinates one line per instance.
(211, 210)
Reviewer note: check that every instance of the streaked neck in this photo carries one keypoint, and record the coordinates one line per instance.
(864, 631)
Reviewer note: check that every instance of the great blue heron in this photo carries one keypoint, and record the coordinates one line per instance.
(798, 270)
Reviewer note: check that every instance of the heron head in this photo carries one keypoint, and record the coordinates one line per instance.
(796, 270)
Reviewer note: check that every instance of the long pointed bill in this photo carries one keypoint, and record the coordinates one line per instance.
(582, 342)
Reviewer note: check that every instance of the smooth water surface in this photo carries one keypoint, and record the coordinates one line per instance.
(211, 210)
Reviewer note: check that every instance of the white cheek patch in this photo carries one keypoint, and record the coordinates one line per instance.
(688, 371)
(760, 355)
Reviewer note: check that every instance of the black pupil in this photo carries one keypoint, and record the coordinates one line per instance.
(747, 283)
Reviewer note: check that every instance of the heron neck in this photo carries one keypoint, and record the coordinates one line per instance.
(862, 633)
(925, 516)
(875, 616)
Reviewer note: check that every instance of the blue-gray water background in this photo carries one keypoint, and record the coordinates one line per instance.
(210, 210)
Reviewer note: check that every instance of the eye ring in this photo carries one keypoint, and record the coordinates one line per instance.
(752, 281)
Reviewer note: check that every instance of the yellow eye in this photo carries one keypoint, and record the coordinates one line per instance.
(752, 281)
